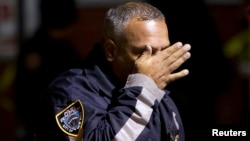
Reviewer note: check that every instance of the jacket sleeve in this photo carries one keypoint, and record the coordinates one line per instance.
(127, 115)
(139, 117)
(124, 117)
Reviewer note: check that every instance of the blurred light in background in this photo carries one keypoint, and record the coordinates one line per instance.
(8, 29)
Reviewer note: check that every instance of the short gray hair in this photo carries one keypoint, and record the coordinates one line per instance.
(116, 18)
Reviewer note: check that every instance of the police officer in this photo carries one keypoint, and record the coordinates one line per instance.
(120, 93)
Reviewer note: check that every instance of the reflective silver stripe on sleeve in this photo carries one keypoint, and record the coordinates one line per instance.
(175, 121)
(139, 119)
(145, 82)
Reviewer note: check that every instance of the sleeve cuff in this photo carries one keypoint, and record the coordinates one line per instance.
(145, 82)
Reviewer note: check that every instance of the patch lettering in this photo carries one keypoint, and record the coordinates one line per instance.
(70, 119)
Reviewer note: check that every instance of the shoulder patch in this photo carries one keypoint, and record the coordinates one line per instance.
(70, 119)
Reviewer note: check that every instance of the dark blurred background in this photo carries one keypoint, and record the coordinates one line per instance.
(212, 96)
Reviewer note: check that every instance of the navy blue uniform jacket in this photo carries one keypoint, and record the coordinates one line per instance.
(112, 111)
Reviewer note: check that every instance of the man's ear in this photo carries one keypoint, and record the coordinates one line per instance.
(109, 49)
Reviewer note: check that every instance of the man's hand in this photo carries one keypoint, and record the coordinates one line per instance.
(160, 66)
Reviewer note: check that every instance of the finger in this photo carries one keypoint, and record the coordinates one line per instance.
(170, 50)
(147, 52)
(178, 75)
(179, 54)
(179, 61)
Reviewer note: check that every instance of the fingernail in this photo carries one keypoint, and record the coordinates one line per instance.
(187, 55)
(178, 44)
(187, 46)
(186, 72)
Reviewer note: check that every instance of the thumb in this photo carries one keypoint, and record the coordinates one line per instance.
(147, 52)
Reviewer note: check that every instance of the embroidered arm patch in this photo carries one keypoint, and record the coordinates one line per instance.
(70, 119)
